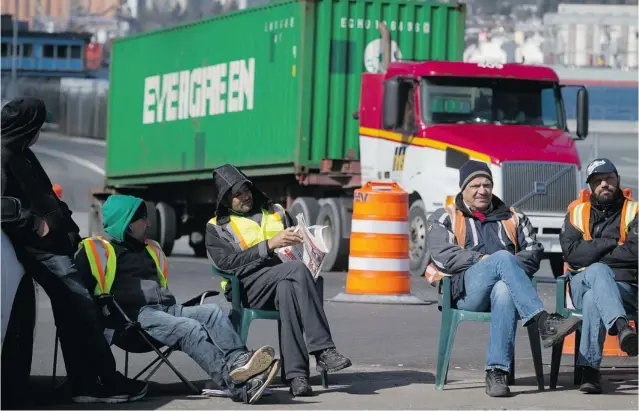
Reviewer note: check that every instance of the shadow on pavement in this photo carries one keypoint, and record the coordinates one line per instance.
(371, 382)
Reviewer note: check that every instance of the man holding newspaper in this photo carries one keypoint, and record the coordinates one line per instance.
(256, 240)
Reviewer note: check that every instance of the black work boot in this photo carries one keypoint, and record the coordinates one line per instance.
(590, 380)
(628, 341)
(331, 361)
(555, 328)
(251, 363)
(497, 383)
(300, 387)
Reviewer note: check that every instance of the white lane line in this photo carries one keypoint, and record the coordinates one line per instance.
(78, 140)
(630, 160)
(69, 157)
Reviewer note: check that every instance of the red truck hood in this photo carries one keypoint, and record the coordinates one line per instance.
(509, 143)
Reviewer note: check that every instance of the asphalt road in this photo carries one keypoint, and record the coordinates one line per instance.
(395, 346)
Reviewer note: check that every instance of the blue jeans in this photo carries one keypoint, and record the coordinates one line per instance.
(602, 301)
(204, 332)
(498, 284)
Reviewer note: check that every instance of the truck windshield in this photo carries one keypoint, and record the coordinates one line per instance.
(455, 100)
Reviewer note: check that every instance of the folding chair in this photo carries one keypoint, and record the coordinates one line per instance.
(451, 317)
(557, 350)
(131, 338)
(241, 316)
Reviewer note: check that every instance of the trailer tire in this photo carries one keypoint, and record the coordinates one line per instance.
(337, 256)
(153, 232)
(95, 219)
(167, 229)
(418, 244)
(307, 206)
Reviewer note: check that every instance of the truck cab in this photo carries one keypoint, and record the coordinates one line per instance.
(420, 121)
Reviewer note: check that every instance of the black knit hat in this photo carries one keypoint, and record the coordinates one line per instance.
(472, 169)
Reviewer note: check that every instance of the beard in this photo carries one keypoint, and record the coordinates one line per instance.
(606, 197)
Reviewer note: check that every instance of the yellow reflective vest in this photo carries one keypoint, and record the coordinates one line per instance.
(103, 262)
(579, 211)
(247, 233)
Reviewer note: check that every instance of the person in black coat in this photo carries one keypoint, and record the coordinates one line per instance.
(45, 239)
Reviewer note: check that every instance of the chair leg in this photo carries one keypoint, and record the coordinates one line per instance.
(535, 348)
(555, 364)
(577, 370)
(324, 378)
(247, 318)
(511, 374)
(55, 359)
(126, 364)
(450, 321)
(157, 362)
(186, 382)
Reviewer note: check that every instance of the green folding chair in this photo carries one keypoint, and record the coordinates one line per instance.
(241, 316)
(557, 349)
(451, 317)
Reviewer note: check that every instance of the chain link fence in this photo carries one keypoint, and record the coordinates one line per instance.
(78, 106)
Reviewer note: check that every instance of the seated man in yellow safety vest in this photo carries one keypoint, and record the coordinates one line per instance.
(241, 240)
(490, 251)
(134, 270)
(599, 242)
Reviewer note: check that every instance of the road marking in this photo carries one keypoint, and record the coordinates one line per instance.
(78, 140)
(69, 157)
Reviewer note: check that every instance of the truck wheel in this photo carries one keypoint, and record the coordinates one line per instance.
(556, 261)
(167, 226)
(95, 220)
(153, 232)
(196, 241)
(419, 256)
(337, 256)
(307, 206)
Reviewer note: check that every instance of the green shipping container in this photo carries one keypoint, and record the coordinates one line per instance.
(268, 89)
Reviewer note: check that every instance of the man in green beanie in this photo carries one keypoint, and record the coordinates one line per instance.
(134, 270)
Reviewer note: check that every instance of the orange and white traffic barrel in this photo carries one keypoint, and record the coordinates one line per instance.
(379, 261)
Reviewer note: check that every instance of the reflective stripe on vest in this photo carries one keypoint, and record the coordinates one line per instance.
(103, 262)
(458, 222)
(580, 218)
(247, 233)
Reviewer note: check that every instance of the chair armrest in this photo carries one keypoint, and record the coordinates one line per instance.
(112, 312)
(199, 299)
(236, 297)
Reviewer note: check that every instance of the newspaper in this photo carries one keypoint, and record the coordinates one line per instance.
(311, 251)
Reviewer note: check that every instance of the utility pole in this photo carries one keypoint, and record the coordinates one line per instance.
(14, 43)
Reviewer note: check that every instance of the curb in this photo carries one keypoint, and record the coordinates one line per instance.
(78, 140)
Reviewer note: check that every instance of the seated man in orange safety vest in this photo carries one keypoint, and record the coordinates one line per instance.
(134, 270)
(599, 242)
(490, 252)
(241, 240)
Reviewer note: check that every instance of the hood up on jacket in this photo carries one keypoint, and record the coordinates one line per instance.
(117, 213)
(22, 120)
(225, 178)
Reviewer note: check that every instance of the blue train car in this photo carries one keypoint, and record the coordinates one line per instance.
(42, 54)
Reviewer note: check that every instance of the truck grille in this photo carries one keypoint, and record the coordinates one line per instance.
(545, 187)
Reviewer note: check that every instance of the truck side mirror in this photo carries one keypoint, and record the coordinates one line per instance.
(391, 110)
(582, 113)
(10, 209)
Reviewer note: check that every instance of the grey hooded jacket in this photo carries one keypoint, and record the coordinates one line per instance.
(482, 238)
(222, 248)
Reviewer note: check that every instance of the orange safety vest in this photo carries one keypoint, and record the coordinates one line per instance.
(458, 222)
(102, 260)
(579, 211)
